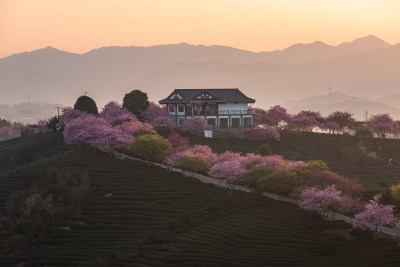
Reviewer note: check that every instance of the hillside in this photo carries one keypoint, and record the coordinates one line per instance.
(327, 147)
(147, 216)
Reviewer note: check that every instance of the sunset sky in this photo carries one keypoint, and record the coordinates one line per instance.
(257, 25)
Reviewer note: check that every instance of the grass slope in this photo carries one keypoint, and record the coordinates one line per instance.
(142, 215)
(327, 147)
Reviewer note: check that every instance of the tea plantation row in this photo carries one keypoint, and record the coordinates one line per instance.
(327, 147)
(141, 215)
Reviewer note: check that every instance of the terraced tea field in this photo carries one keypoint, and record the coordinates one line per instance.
(315, 146)
(141, 215)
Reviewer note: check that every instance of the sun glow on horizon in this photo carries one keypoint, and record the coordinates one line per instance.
(258, 25)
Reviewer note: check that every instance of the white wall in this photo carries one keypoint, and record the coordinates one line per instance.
(232, 106)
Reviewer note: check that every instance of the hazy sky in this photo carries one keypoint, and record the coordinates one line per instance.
(258, 25)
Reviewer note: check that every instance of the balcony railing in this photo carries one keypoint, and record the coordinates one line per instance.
(235, 112)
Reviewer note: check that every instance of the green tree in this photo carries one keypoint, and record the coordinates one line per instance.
(87, 104)
(136, 102)
(149, 146)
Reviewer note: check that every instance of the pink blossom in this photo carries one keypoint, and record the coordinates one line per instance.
(262, 132)
(158, 116)
(381, 124)
(375, 215)
(227, 156)
(42, 124)
(197, 149)
(306, 120)
(20, 126)
(68, 114)
(319, 199)
(276, 115)
(113, 111)
(6, 130)
(276, 162)
(195, 124)
(230, 171)
(178, 141)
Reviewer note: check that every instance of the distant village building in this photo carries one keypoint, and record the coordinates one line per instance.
(221, 108)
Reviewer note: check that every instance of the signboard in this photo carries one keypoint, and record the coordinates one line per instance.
(208, 133)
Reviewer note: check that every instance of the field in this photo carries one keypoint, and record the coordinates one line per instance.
(142, 215)
(327, 147)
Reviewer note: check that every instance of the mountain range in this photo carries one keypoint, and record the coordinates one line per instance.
(366, 67)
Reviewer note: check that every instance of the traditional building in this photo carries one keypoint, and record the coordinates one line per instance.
(221, 108)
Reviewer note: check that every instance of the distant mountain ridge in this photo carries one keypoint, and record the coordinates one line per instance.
(365, 67)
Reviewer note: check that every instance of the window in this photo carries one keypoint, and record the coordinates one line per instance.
(211, 121)
(171, 108)
(235, 122)
(181, 108)
(223, 123)
(247, 123)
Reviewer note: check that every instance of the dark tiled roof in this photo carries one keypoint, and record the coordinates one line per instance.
(218, 95)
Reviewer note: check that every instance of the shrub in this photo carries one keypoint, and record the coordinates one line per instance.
(280, 182)
(178, 142)
(328, 178)
(149, 146)
(395, 192)
(255, 174)
(199, 162)
(308, 170)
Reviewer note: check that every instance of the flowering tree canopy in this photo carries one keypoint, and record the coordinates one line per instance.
(341, 118)
(328, 178)
(69, 114)
(261, 132)
(158, 116)
(229, 171)
(178, 141)
(6, 130)
(113, 111)
(319, 199)
(381, 124)
(277, 114)
(195, 124)
(42, 124)
(375, 215)
(307, 120)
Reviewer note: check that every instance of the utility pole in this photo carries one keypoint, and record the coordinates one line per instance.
(58, 111)
(366, 115)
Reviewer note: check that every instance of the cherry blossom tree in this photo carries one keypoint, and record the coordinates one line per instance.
(276, 115)
(375, 215)
(6, 130)
(260, 116)
(319, 199)
(20, 126)
(158, 116)
(263, 131)
(381, 124)
(113, 111)
(307, 120)
(42, 124)
(69, 114)
(338, 121)
(195, 124)
(229, 171)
